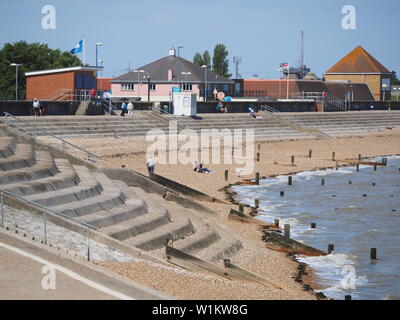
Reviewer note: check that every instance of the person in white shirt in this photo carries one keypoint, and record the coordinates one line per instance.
(36, 107)
(130, 109)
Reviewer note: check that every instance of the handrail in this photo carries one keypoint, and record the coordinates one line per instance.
(92, 156)
(47, 209)
(321, 97)
(292, 123)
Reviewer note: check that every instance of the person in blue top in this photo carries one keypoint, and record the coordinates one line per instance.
(221, 108)
(124, 109)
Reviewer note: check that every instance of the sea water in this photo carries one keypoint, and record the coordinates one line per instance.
(354, 217)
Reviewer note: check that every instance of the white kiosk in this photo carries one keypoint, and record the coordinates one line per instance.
(185, 103)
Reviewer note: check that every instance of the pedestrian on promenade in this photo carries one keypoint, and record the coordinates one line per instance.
(36, 106)
(215, 92)
(124, 109)
(42, 109)
(93, 94)
(130, 109)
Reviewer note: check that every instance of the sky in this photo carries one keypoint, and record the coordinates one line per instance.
(263, 33)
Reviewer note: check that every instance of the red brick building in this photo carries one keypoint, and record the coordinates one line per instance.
(53, 84)
(289, 89)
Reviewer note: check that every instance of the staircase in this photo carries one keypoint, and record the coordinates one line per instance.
(334, 124)
(130, 215)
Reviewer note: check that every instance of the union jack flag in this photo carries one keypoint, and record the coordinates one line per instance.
(284, 65)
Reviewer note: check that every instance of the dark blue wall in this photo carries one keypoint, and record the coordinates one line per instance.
(24, 108)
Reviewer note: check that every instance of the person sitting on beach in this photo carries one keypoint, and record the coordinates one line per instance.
(203, 169)
(195, 166)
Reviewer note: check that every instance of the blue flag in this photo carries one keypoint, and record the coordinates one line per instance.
(78, 48)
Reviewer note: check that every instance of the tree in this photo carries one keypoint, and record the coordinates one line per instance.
(220, 61)
(32, 56)
(201, 60)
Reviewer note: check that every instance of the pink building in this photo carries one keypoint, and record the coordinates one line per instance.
(156, 80)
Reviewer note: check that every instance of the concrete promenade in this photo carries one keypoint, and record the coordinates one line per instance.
(26, 270)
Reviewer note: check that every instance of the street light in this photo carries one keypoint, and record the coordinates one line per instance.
(179, 47)
(205, 82)
(138, 73)
(98, 44)
(101, 74)
(16, 65)
(384, 86)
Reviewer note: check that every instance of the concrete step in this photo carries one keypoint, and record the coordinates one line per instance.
(223, 248)
(156, 239)
(145, 223)
(23, 157)
(87, 188)
(7, 146)
(204, 237)
(65, 178)
(44, 167)
(106, 218)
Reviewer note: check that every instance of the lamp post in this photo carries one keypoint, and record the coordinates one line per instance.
(98, 44)
(148, 85)
(16, 65)
(138, 73)
(179, 47)
(205, 82)
(101, 75)
(384, 86)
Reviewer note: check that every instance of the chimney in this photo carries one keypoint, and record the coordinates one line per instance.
(170, 74)
(172, 52)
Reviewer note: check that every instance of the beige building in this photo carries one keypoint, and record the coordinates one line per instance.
(360, 66)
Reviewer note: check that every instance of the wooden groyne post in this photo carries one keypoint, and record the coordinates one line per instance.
(257, 178)
(286, 231)
(373, 254)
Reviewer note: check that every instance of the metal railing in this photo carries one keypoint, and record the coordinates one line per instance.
(73, 95)
(45, 210)
(91, 156)
(332, 102)
(293, 123)
(167, 117)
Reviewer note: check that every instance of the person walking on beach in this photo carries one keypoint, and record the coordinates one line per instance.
(150, 165)
(130, 109)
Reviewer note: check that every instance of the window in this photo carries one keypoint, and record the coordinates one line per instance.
(127, 87)
(187, 87)
(152, 87)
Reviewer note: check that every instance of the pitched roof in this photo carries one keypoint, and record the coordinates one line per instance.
(79, 68)
(158, 71)
(358, 61)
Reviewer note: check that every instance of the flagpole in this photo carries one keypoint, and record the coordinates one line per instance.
(287, 86)
(84, 50)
